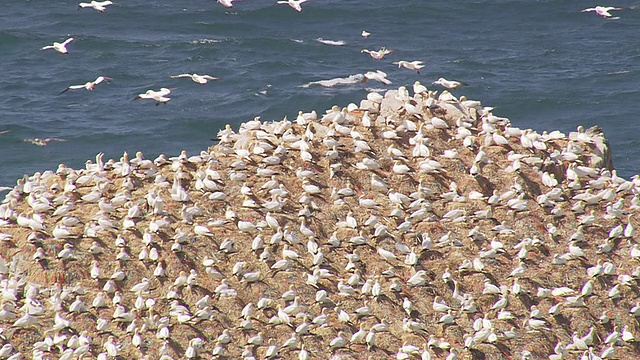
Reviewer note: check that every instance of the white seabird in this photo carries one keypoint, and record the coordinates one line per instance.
(200, 79)
(159, 96)
(602, 10)
(411, 65)
(88, 85)
(97, 5)
(295, 4)
(377, 55)
(227, 3)
(449, 84)
(59, 47)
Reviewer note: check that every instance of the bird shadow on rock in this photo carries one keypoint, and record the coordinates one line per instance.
(485, 184)
(175, 346)
(477, 354)
(532, 187)
(526, 300)
(431, 255)
(564, 322)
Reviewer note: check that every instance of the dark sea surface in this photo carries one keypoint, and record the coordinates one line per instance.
(543, 64)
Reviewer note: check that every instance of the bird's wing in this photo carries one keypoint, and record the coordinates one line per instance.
(47, 47)
(163, 92)
(67, 41)
(180, 76)
(101, 79)
(72, 87)
(589, 9)
(84, 5)
(209, 77)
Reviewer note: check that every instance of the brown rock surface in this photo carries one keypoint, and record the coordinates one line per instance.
(228, 187)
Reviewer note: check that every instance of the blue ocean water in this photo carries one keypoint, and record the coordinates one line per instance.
(543, 64)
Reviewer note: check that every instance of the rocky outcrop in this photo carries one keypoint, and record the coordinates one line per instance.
(411, 224)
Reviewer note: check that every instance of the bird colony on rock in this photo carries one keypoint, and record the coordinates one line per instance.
(408, 226)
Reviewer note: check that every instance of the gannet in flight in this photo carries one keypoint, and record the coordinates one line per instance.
(352, 79)
(88, 85)
(602, 10)
(449, 84)
(200, 79)
(59, 47)
(295, 4)
(331, 42)
(98, 5)
(378, 55)
(227, 3)
(42, 142)
(411, 65)
(377, 75)
(158, 96)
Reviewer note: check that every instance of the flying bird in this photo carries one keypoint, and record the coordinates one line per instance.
(98, 5)
(331, 42)
(449, 84)
(295, 4)
(227, 3)
(411, 65)
(59, 47)
(602, 10)
(378, 55)
(88, 85)
(157, 96)
(200, 79)
(352, 79)
(42, 142)
(378, 76)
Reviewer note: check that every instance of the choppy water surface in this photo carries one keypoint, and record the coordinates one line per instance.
(543, 64)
